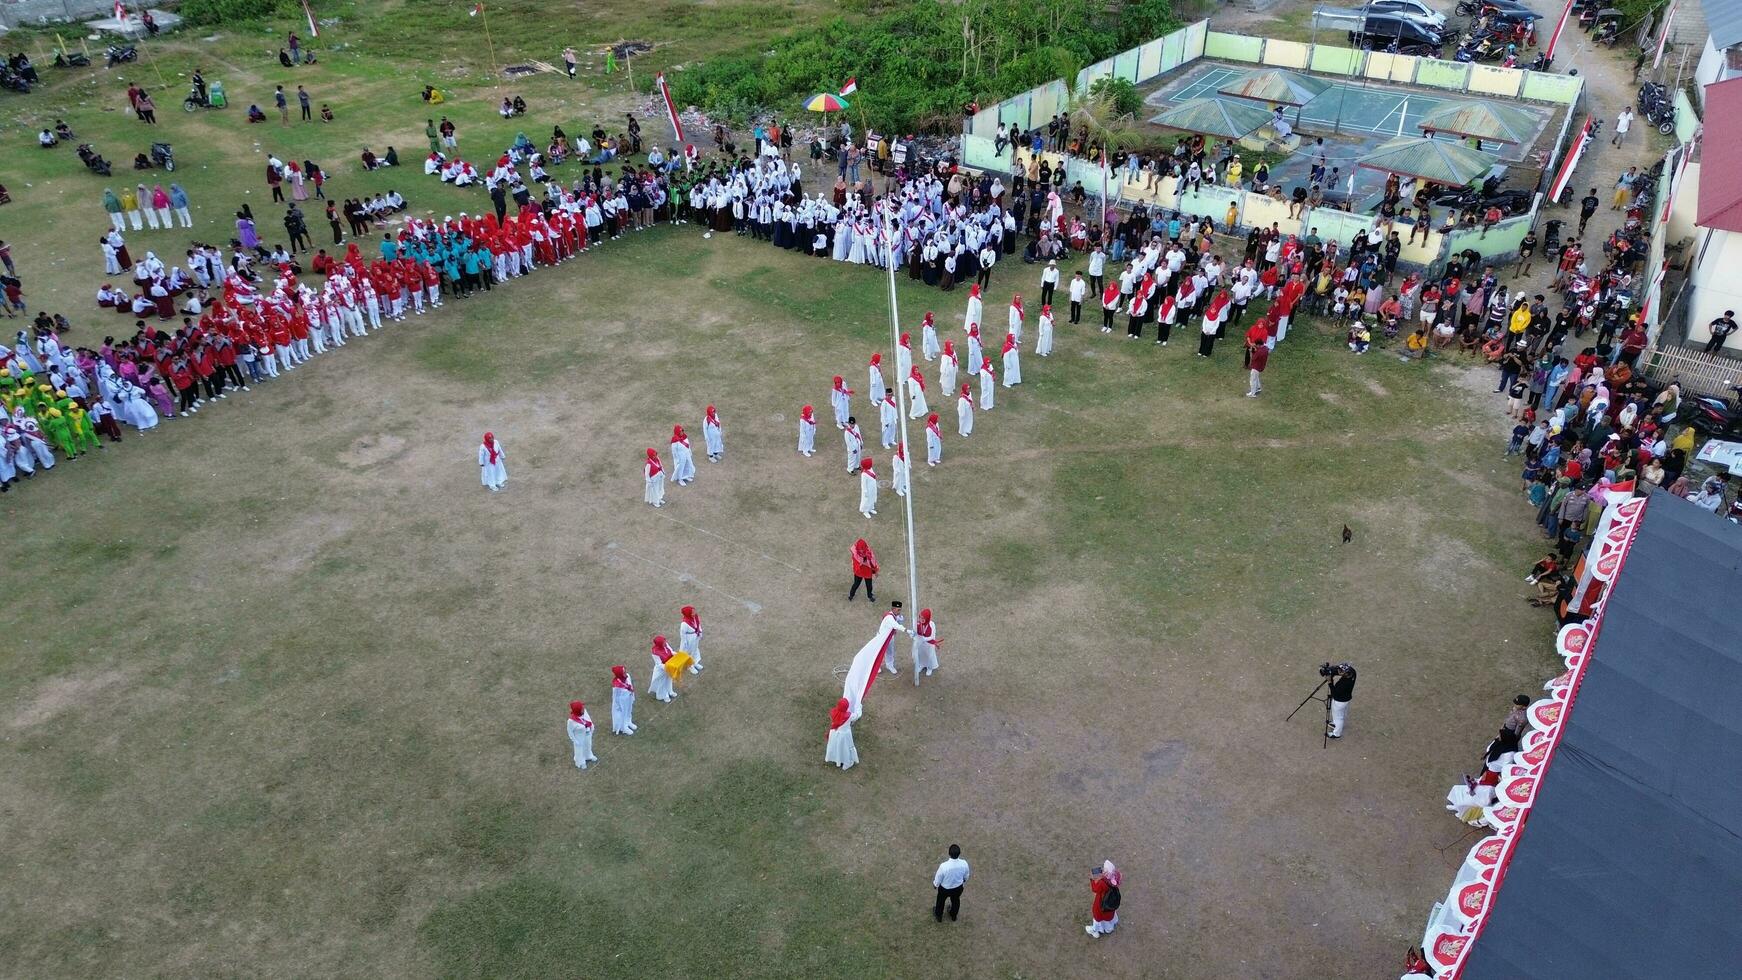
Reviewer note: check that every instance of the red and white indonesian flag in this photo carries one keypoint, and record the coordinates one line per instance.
(313, 29)
(120, 13)
(1564, 175)
(477, 9)
(670, 106)
(851, 86)
(867, 664)
(1559, 26)
(1663, 38)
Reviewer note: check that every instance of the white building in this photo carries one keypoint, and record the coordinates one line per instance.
(1715, 262)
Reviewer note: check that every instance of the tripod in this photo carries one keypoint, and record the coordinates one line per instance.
(1314, 696)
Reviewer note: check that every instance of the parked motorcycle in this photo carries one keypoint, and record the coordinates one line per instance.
(116, 54)
(93, 161)
(1714, 416)
(70, 59)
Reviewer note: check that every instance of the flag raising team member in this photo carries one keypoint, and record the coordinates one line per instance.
(713, 436)
(807, 431)
(864, 570)
(889, 418)
(839, 748)
(655, 475)
(689, 636)
(898, 470)
(934, 440)
(491, 465)
(839, 400)
(925, 644)
(622, 702)
(867, 489)
(855, 443)
(916, 407)
(683, 461)
(1012, 362)
(580, 729)
(874, 387)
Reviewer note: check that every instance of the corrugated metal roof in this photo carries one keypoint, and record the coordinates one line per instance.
(1721, 158)
(1724, 21)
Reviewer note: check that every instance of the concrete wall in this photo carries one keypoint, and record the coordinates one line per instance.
(16, 12)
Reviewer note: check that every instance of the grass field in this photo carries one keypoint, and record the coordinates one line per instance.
(286, 686)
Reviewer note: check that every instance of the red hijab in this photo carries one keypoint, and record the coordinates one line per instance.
(1009, 342)
(974, 330)
(689, 616)
(967, 392)
(841, 386)
(901, 450)
(712, 416)
(620, 679)
(928, 319)
(660, 650)
(950, 349)
(1016, 303)
(577, 712)
(808, 414)
(865, 468)
(923, 627)
(917, 378)
(839, 714)
(931, 424)
(907, 341)
(677, 435)
(490, 444)
(653, 464)
(876, 359)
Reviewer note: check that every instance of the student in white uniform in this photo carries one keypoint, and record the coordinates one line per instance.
(683, 460)
(655, 475)
(622, 702)
(988, 384)
(916, 406)
(839, 750)
(934, 441)
(807, 431)
(689, 637)
(928, 337)
(492, 463)
(839, 400)
(898, 470)
(713, 435)
(925, 644)
(888, 418)
(1012, 361)
(947, 367)
(1043, 334)
(580, 728)
(874, 372)
(855, 443)
(661, 685)
(867, 489)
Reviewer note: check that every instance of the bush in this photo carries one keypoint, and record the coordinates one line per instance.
(914, 64)
(1126, 100)
(210, 12)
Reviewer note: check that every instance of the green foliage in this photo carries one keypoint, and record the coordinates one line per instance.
(919, 61)
(205, 12)
(1120, 94)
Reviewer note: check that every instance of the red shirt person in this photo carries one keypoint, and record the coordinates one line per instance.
(864, 570)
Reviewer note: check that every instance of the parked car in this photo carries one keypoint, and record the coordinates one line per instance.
(1380, 30)
(1417, 9)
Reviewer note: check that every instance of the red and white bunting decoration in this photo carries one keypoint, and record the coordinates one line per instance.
(1564, 175)
(1561, 25)
(1447, 944)
(1663, 37)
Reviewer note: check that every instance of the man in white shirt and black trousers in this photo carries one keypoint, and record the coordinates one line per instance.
(1079, 289)
(1342, 691)
(949, 879)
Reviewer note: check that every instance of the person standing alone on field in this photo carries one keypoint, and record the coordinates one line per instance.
(949, 879)
(864, 570)
(1104, 909)
(569, 62)
(283, 105)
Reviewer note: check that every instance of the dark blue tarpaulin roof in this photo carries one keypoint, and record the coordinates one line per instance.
(1630, 863)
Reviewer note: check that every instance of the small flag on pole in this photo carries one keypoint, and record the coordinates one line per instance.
(851, 86)
(120, 13)
(476, 10)
(313, 30)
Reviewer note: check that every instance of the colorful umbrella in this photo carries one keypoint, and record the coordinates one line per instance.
(826, 102)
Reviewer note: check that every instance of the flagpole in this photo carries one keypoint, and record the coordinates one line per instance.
(495, 72)
(147, 48)
(901, 409)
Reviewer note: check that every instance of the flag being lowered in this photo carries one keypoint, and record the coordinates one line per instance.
(867, 663)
